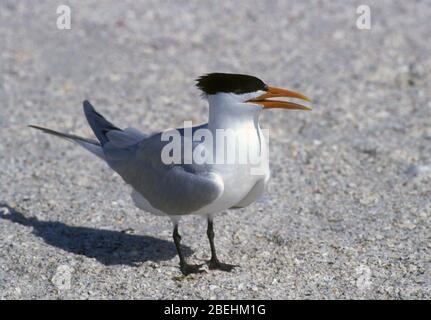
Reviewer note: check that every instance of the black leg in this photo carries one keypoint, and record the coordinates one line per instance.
(214, 263)
(185, 268)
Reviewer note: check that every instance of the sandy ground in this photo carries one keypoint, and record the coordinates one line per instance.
(347, 213)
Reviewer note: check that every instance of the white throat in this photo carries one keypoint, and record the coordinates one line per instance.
(229, 115)
(228, 111)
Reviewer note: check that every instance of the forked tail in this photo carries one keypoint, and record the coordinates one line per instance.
(105, 132)
(98, 123)
(91, 145)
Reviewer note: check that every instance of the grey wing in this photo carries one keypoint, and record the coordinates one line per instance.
(126, 137)
(171, 188)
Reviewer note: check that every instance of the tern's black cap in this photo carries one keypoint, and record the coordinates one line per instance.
(213, 83)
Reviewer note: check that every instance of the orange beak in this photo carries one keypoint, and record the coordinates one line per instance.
(274, 92)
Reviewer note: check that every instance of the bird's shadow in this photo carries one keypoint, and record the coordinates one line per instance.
(106, 246)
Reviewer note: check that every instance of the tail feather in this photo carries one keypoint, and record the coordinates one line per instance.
(91, 145)
(98, 123)
(105, 132)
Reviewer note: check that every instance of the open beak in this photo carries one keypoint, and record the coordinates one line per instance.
(274, 92)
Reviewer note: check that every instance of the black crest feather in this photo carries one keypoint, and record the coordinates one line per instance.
(213, 83)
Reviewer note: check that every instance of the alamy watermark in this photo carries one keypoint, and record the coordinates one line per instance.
(247, 146)
(64, 21)
(363, 22)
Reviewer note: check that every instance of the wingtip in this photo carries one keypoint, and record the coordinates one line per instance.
(46, 130)
(39, 128)
(87, 106)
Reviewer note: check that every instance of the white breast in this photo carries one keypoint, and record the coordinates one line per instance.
(243, 182)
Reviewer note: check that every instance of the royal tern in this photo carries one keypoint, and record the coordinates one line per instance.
(203, 186)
